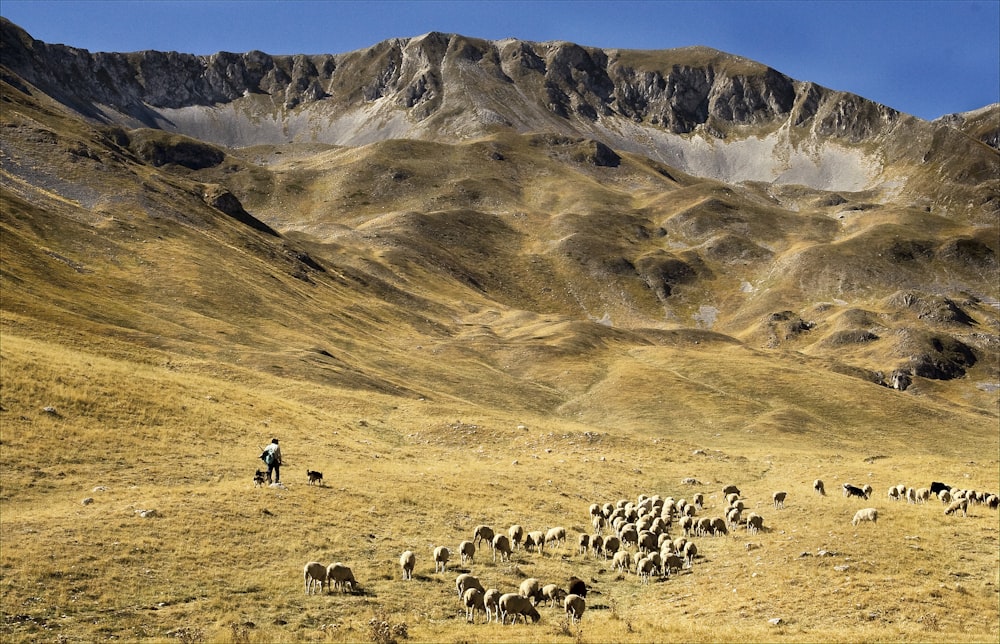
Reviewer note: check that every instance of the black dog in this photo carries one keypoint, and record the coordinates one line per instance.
(851, 490)
(259, 477)
(315, 477)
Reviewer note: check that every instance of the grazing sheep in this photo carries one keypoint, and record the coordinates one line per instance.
(531, 589)
(644, 569)
(647, 541)
(718, 527)
(595, 509)
(733, 516)
(893, 493)
(597, 545)
(513, 605)
(441, 557)
(535, 539)
(599, 523)
(671, 564)
(611, 546)
(557, 535)
(853, 490)
(945, 496)
(779, 499)
(731, 489)
(407, 561)
(491, 601)
(690, 552)
(473, 600)
(482, 532)
(622, 561)
(867, 489)
(584, 543)
(340, 577)
(467, 551)
(755, 523)
(314, 573)
(577, 586)
(698, 500)
(687, 525)
(553, 594)
(732, 498)
(629, 536)
(993, 501)
(465, 581)
(911, 495)
(516, 534)
(818, 486)
(923, 494)
(960, 505)
(501, 544)
(865, 514)
(679, 544)
(574, 605)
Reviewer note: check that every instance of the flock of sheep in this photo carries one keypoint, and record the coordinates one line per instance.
(634, 536)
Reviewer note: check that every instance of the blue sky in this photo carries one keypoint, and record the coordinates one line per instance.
(923, 57)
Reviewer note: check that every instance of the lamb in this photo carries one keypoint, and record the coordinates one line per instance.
(755, 523)
(473, 600)
(512, 604)
(779, 499)
(818, 486)
(574, 605)
(441, 557)
(340, 576)
(553, 594)
(467, 551)
(515, 533)
(865, 514)
(407, 561)
(466, 581)
(960, 505)
(501, 544)
(491, 601)
(531, 589)
(314, 573)
(482, 532)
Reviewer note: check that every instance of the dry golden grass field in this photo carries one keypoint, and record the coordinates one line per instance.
(221, 560)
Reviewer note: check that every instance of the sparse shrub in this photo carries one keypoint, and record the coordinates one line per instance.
(240, 632)
(188, 635)
(564, 627)
(382, 631)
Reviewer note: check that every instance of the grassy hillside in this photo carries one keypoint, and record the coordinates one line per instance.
(492, 331)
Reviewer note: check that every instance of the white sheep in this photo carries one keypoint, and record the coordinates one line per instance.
(611, 546)
(512, 604)
(698, 499)
(553, 594)
(893, 493)
(755, 523)
(819, 487)
(557, 535)
(473, 600)
(865, 514)
(644, 569)
(945, 496)
(466, 581)
(467, 551)
(923, 494)
(622, 561)
(407, 561)
(867, 489)
(531, 589)
(501, 544)
(441, 557)
(314, 573)
(779, 499)
(672, 563)
(960, 505)
(491, 601)
(340, 577)
(597, 545)
(690, 551)
(584, 543)
(516, 535)
(574, 605)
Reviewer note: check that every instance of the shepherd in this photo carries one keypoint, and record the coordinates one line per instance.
(272, 457)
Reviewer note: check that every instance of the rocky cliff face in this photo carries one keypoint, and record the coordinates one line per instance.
(675, 91)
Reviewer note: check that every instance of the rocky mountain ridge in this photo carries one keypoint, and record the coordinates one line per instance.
(704, 111)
